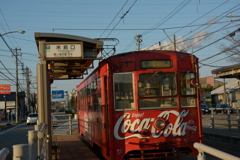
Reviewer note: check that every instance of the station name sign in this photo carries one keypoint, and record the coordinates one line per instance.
(63, 50)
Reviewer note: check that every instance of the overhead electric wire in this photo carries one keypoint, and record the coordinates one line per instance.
(205, 23)
(196, 37)
(232, 47)
(211, 65)
(213, 42)
(8, 78)
(121, 19)
(223, 16)
(6, 69)
(223, 58)
(9, 29)
(207, 35)
(170, 15)
(113, 19)
(171, 40)
(128, 29)
(200, 18)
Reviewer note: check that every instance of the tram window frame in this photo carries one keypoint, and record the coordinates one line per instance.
(187, 90)
(124, 95)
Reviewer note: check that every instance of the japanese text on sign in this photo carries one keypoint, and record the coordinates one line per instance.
(5, 89)
(63, 50)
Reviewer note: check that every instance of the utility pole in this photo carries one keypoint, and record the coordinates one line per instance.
(16, 102)
(174, 42)
(224, 94)
(138, 38)
(28, 82)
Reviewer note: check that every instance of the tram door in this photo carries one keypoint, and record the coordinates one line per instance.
(107, 114)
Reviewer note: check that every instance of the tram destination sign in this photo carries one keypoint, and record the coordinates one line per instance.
(63, 50)
(162, 63)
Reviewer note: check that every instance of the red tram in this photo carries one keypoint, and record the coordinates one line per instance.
(142, 105)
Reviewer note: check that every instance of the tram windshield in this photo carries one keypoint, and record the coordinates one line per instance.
(158, 89)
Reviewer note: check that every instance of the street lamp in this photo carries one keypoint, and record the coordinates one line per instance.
(16, 102)
(22, 32)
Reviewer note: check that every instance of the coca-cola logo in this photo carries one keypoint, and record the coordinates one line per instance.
(178, 128)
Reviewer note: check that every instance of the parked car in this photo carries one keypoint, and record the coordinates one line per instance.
(54, 120)
(205, 109)
(224, 108)
(32, 118)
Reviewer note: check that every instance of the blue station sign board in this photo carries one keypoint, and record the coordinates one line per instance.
(57, 94)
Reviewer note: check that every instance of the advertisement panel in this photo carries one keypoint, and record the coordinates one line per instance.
(5, 89)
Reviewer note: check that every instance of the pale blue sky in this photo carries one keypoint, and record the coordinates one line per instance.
(184, 18)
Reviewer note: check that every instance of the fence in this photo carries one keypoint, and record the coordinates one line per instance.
(37, 140)
(228, 120)
(65, 127)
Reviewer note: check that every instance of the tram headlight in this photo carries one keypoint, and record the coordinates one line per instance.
(159, 123)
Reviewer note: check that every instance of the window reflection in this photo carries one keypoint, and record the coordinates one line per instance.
(188, 90)
(186, 87)
(157, 84)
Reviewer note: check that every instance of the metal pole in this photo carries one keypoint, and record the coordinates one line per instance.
(20, 152)
(217, 153)
(16, 102)
(224, 86)
(138, 38)
(174, 42)
(5, 113)
(28, 88)
(33, 145)
(16, 105)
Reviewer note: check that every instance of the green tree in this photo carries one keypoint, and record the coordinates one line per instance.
(73, 103)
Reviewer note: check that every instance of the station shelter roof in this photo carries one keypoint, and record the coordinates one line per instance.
(232, 71)
(72, 61)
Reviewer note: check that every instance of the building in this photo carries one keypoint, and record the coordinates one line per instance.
(205, 81)
(232, 94)
(9, 101)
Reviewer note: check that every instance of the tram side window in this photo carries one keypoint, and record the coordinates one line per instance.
(188, 91)
(123, 91)
(98, 90)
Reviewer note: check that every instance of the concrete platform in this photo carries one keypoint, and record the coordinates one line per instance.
(70, 147)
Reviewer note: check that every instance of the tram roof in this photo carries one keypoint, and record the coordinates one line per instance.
(232, 71)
